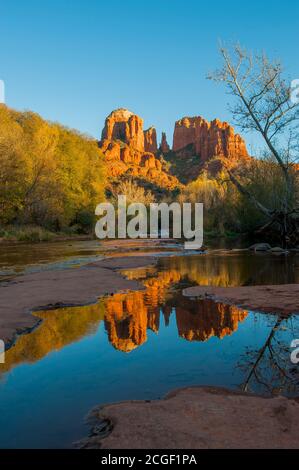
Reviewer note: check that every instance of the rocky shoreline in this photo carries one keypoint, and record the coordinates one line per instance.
(196, 418)
(24, 294)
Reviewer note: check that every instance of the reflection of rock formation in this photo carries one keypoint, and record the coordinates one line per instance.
(128, 316)
(156, 287)
(201, 270)
(229, 270)
(203, 319)
(126, 320)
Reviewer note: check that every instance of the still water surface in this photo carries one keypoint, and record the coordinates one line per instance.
(140, 345)
(18, 258)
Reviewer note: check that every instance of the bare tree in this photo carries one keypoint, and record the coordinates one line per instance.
(269, 368)
(263, 105)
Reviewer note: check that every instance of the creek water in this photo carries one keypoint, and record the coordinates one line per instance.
(141, 345)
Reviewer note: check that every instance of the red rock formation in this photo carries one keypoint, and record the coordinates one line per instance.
(164, 147)
(123, 125)
(207, 139)
(150, 140)
(128, 150)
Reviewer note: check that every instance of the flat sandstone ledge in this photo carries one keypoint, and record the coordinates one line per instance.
(282, 299)
(69, 287)
(196, 418)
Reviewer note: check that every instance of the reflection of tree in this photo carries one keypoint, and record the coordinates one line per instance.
(260, 275)
(253, 280)
(225, 270)
(269, 368)
(57, 329)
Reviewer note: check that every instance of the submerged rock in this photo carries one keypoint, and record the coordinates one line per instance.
(260, 247)
(278, 250)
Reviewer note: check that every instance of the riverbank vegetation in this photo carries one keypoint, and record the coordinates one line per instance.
(50, 176)
(263, 103)
(228, 211)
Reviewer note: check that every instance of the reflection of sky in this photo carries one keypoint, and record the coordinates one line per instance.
(43, 404)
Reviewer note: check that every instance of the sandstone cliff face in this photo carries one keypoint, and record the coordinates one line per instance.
(164, 147)
(150, 140)
(195, 135)
(130, 151)
(123, 125)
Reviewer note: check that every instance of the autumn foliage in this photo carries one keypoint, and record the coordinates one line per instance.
(50, 176)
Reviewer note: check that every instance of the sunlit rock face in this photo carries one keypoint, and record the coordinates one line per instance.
(164, 147)
(130, 151)
(150, 140)
(123, 125)
(195, 135)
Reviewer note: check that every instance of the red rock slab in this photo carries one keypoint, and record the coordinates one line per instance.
(197, 418)
(273, 299)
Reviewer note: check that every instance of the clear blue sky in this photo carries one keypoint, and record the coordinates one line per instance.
(73, 61)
